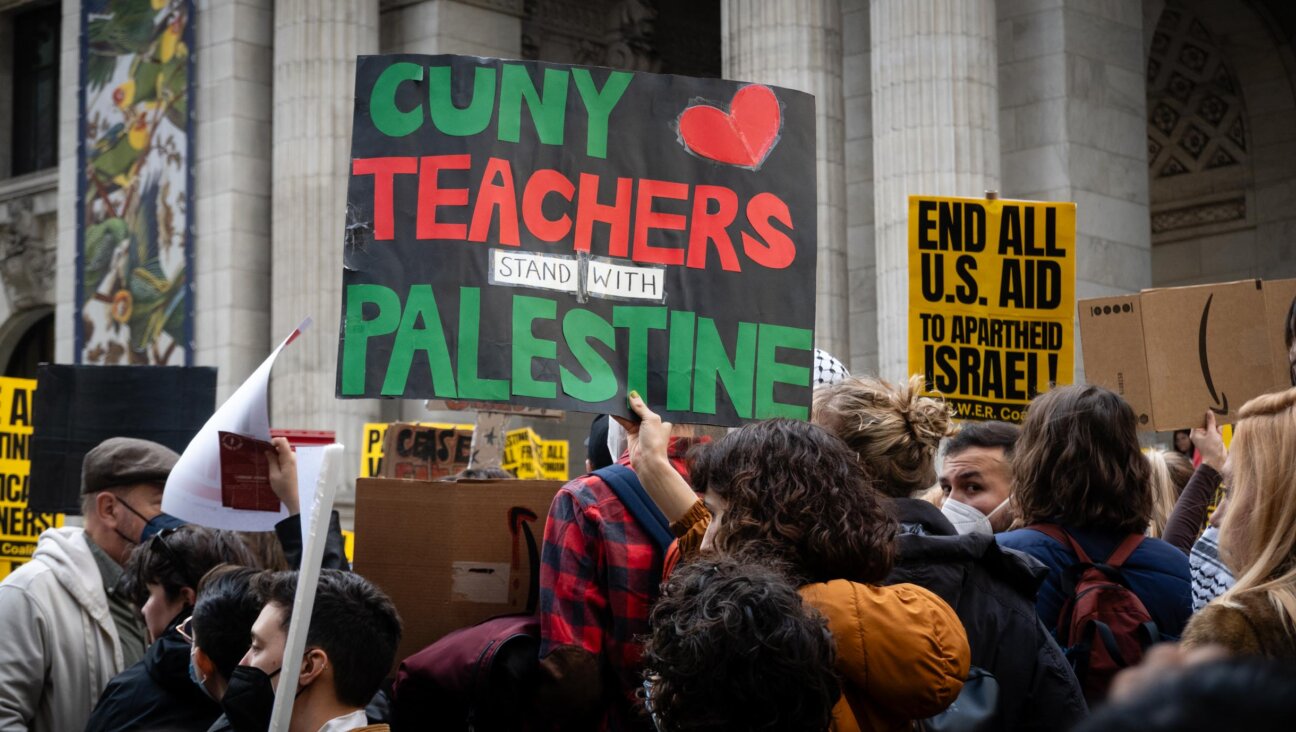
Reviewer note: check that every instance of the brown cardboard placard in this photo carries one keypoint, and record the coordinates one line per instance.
(1195, 348)
(424, 452)
(1116, 324)
(451, 554)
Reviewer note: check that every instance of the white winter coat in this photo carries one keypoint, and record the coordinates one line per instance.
(58, 644)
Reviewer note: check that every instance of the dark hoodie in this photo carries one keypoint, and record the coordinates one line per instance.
(993, 591)
(156, 693)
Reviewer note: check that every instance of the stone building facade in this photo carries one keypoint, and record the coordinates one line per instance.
(1171, 124)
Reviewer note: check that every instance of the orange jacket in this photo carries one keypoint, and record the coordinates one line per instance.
(902, 653)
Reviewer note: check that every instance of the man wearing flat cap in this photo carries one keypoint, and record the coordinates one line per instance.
(64, 630)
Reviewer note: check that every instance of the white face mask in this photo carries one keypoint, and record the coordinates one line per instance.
(617, 439)
(966, 520)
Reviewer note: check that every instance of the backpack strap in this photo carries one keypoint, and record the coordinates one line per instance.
(1063, 537)
(625, 484)
(1123, 552)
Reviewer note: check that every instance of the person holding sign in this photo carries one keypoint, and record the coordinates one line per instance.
(791, 492)
(600, 571)
(1258, 537)
(896, 431)
(64, 630)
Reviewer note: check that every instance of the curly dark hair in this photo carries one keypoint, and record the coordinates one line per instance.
(1078, 462)
(734, 648)
(796, 493)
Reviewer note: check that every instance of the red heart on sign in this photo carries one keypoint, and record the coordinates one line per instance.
(742, 136)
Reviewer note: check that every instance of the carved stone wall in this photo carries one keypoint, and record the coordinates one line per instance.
(1198, 150)
(665, 36)
(1221, 135)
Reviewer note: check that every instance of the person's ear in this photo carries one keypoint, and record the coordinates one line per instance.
(188, 595)
(107, 510)
(313, 666)
(203, 663)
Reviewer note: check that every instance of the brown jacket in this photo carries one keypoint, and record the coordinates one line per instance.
(901, 652)
(1248, 625)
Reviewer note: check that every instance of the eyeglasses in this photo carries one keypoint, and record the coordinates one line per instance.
(185, 629)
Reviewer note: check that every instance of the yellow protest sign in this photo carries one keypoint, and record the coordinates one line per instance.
(530, 457)
(19, 527)
(348, 545)
(371, 442)
(991, 301)
(553, 464)
(371, 448)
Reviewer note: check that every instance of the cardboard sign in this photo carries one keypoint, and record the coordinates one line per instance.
(1173, 353)
(424, 452)
(451, 554)
(77, 407)
(528, 456)
(20, 527)
(245, 473)
(991, 298)
(373, 437)
(553, 236)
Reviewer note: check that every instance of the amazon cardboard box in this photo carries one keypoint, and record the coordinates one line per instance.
(451, 554)
(1174, 352)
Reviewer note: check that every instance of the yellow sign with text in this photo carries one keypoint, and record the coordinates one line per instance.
(991, 301)
(19, 527)
(530, 457)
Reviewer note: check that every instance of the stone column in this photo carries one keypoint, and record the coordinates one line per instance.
(935, 132)
(315, 47)
(65, 274)
(473, 27)
(798, 44)
(234, 68)
(861, 254)
(1073, 104)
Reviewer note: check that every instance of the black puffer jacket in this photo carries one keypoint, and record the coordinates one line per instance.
(156, 693)
(993, 591)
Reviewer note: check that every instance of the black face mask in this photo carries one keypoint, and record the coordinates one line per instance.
(249, 699)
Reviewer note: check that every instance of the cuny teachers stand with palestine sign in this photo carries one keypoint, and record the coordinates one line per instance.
(556, 236)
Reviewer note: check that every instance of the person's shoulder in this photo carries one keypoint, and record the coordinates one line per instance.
(845, 601)
(1233, 626)
(1027, 540)
(119, 703)
(1160, 556)
(29, 579)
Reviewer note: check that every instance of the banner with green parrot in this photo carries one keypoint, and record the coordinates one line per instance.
(135, 193)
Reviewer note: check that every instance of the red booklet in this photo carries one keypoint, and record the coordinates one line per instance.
(245, 473)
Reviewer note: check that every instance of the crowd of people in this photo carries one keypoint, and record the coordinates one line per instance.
(878, 567)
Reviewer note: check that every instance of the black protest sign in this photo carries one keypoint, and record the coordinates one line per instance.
(77, 407)
(555, 236)
(991, 301)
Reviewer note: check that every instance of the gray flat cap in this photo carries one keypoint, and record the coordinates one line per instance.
(119, 461)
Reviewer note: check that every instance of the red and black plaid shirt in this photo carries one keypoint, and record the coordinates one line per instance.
(599, 574)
